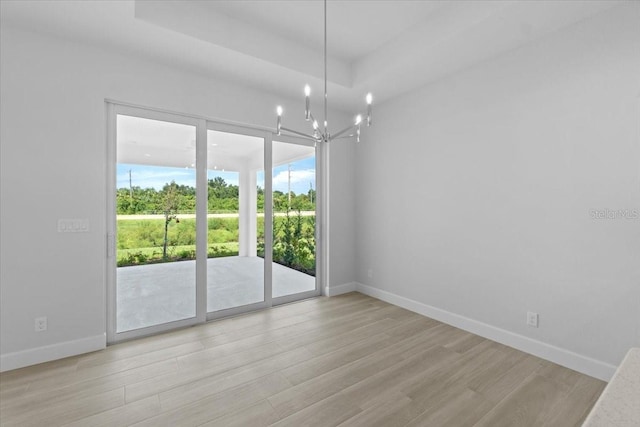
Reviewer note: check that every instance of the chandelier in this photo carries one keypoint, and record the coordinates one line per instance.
(324, 135)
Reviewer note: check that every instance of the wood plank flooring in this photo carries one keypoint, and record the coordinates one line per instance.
(349, 360)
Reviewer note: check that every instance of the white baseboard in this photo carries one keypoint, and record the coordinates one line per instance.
(332, 291)
(566, 358)
(20, 359)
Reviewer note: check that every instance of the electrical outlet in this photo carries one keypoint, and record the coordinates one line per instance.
(40, 324)
(369, 273)
(532, 319)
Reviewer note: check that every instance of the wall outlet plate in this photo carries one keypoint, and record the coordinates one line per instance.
(532, 319)
(40, 324)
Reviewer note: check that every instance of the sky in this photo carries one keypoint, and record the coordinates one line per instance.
(144, 176)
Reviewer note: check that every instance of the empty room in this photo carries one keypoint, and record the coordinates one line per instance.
(320, 213)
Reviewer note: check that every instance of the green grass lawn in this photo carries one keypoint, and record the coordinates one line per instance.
(149, 233)
(140, 241)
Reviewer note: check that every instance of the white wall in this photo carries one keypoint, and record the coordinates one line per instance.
(342, 215)
(53, 166)
(474, 195)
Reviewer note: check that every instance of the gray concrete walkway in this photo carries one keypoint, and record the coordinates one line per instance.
(148, 295)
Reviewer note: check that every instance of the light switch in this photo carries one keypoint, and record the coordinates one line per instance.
(73, 225)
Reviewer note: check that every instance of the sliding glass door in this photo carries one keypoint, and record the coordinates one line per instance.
(235, 217)
(196, 229)
(154, 232)
(294, 219)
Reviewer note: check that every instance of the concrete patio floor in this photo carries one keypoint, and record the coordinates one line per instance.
(149, 295)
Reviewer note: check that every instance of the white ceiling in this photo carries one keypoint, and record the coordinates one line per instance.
(384, 20)
(386, 47)
(157, 143)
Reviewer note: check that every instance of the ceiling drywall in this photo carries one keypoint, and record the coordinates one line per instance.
(155, 143)
(386, 47)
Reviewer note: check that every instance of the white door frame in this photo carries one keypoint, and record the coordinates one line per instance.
(113, 110)
(267, 280)
(320, 220)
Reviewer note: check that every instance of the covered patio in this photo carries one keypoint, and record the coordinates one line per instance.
(149, 295)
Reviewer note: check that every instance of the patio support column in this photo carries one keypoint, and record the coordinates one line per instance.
(248, 201)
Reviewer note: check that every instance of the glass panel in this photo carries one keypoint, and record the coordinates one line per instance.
(235, 272)
(156, 222)
(294, 219)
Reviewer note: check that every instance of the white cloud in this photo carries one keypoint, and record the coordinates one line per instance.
(300, 180)
(146, 177)
(300, 176)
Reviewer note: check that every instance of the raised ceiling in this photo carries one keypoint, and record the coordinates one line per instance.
(387, 47)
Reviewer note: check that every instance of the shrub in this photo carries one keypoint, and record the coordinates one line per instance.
(133, 258)
(220, 251)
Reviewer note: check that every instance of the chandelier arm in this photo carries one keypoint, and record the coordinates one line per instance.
(348, 128)
(295, 132)
(351, 135)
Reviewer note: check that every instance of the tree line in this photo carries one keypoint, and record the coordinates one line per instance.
(223, 197)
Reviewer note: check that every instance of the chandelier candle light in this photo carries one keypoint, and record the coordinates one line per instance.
(324, 135)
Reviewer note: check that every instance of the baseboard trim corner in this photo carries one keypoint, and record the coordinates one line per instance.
(577, 362)
(332, 291)
(47, 353)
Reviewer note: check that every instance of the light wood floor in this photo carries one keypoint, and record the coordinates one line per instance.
(349, 360)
